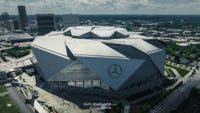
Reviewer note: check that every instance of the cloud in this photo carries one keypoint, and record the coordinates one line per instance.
(103, 6)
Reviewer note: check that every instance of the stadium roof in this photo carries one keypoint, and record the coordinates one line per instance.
(96, 32)
(84, 47)
(93, 47)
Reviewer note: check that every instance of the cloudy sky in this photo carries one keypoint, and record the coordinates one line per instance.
(103, 6)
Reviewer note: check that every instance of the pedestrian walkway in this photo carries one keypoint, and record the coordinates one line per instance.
(178, 76)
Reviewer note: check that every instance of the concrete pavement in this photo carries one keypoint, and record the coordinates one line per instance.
(178, 76)
(18, 99)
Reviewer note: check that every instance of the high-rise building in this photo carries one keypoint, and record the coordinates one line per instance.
(23, 17)
(46, 23)
(71, 20)
(16, 24)
(5, 16)
(10, 25)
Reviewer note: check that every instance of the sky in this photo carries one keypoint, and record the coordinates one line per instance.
(103, 6)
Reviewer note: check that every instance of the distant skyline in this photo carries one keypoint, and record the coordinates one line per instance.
(102, 6)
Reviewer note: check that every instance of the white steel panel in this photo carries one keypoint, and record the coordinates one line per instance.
(52, 43)
(50, 63)
(103, 66)
(158, 59)
(92, 48)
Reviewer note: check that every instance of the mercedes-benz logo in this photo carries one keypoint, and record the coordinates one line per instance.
(114, 70)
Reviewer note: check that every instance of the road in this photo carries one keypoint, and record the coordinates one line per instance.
(177, 96)
(171, 102)
(18, 99)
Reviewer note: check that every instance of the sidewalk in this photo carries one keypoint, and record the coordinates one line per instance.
(178, 76)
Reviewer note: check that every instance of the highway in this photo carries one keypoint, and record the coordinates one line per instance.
(171, 102)
(177, 96)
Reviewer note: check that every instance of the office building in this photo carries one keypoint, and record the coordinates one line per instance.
(5, 16)
(70, 20)
(10, 25)
(22, 17)
(45, 23)
(16, 24)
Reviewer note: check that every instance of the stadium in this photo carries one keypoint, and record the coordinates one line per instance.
(99, 62)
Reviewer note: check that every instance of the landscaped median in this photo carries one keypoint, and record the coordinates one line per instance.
(170, 73)
(181, 71)
(18, 52)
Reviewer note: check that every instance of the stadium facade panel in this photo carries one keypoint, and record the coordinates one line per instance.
(108, 60)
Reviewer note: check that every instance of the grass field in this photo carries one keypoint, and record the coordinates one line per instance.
(181, 71)
(4, 101)
(170, 73)
(18, 52)
(2, 89)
